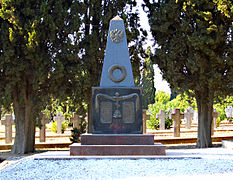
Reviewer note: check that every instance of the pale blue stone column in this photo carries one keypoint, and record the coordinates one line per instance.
(117, 69)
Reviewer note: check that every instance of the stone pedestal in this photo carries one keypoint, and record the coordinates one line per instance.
(119, 139)
(117, 145)
(117, 150)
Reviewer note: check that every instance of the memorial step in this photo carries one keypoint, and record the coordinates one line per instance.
(77, 149)
(117, 139)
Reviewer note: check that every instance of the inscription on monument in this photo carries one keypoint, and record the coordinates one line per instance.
(128, 112)
(106, 112)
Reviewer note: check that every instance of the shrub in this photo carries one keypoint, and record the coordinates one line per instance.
(218, 121)
(54, 126)
(220, 106)
(76, 133)
(162, 102)
(183, 101)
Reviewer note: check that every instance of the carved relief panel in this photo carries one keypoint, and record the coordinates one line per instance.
(116, 110)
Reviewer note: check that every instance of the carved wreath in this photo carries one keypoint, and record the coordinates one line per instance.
(116, 35)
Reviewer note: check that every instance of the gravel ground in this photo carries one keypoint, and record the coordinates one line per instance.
(212, 163)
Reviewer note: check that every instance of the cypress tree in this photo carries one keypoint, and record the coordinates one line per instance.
(37, 57)
(55, 48)
(195, 51)
(148, 81)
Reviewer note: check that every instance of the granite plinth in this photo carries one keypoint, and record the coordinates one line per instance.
(117, 139)
(77, 149)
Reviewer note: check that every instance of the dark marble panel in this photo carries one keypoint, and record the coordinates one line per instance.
(117, 110)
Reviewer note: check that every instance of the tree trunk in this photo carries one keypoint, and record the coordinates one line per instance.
(24, 124)
(205, 109)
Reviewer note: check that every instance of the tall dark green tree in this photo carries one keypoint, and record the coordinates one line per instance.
(195, 51)
(97, 15)
(37, 58)
(55, 48)
(148, 81)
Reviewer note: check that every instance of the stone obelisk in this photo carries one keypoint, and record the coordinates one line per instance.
(117, 103)
(117, 69)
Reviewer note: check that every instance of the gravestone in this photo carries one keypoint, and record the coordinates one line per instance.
(43, 122)
(117, 119)
(8, 122)
(195, 117)
(176, 116)
(162, 116)
(145, 117)
(188, 116)
(215, 115)
(75, 120)
(229, 112)
(59, 118)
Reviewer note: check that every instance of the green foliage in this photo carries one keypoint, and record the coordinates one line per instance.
(162, 102)
(148, 81)
(154, 123)
(220, 106)
(4, 111)
(56, 49)
(34, 34)
(183, 101)
(76, 133)
(38, 58)
(195, 51)
(218, 121)
(54, 126)
(225, 6)
(194, 44)
(66, 107)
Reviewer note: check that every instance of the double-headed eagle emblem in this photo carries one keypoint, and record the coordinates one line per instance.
(116, 35)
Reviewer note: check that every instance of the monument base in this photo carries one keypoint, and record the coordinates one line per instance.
(117, 145)
(117, 139)
(116, 150)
